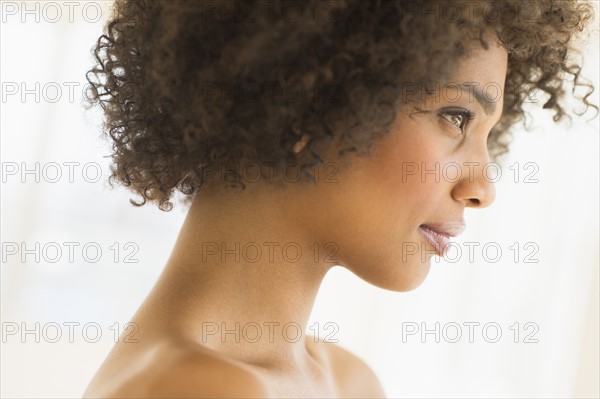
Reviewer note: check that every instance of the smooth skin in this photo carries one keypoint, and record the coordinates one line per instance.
(369, 213)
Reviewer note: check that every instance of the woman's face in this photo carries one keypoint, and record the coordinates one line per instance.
(425, 172)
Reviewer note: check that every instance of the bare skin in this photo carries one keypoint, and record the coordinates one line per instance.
(368, 213)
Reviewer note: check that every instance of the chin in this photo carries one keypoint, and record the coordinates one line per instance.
(395, 275)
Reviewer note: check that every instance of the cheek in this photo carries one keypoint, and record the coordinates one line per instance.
(386, 199)
(412, 171)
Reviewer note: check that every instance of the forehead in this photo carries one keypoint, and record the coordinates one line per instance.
(483, 66)
(482, 73)
(478, 75)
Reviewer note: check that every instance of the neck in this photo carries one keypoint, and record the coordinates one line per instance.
(243, 277)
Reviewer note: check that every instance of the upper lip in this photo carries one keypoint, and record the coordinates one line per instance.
(451, 229)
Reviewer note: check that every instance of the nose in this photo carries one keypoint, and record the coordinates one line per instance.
(476, 187)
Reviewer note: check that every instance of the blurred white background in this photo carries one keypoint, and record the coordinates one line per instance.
(557, 215)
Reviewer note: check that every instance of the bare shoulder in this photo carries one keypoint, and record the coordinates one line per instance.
(352, 375)
(191, 374)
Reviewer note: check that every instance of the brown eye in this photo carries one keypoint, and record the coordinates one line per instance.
(458, 118)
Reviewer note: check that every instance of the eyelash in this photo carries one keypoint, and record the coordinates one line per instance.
(465, 113)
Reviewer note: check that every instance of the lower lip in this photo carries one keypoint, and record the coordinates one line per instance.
(438, 241)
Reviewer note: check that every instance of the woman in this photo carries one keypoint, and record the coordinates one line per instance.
(306, 135)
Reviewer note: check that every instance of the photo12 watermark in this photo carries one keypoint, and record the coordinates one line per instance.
(472, 251)
(453, 172)
(69, 252)
(268, 251)
(51, 172)
(469, 331)
(67, 331)
(54, 12)
(266, 331)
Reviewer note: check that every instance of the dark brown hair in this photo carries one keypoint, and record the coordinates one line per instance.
(185, 85)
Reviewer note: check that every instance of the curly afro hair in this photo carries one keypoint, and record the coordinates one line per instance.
(186, 85)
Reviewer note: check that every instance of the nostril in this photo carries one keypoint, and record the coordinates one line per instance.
(475, 201)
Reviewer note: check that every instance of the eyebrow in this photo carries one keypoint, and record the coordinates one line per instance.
(488, 105)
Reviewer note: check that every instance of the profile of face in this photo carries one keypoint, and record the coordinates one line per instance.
(381, 211)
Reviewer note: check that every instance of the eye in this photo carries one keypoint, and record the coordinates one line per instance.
(458, 117)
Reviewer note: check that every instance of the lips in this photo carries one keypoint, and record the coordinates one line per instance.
(438, 235)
